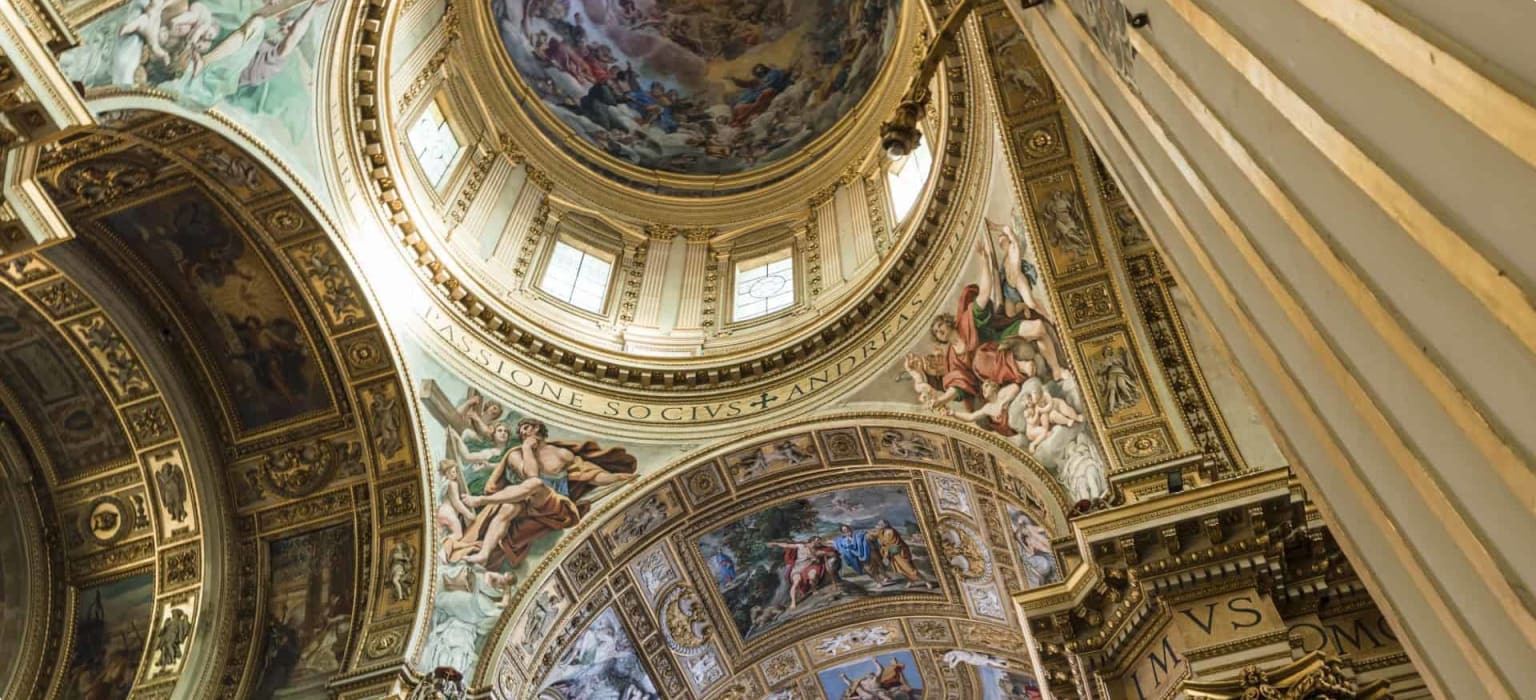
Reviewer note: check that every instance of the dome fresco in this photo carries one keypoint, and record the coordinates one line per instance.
(697, 87)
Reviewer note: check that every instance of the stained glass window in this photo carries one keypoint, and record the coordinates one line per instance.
(577, 277)
(433, 142)
(906, 178)
(764, 286)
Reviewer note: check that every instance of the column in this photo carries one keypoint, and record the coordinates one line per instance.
(1344, 189)
(696, 263)
(654, 278)
(824, 216)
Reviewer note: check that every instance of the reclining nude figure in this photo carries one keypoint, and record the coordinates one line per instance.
(534, 490)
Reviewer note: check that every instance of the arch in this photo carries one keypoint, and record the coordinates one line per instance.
(662, 565)
(265, 344)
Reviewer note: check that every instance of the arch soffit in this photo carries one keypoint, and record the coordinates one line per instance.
(956, 476)
(349, 460)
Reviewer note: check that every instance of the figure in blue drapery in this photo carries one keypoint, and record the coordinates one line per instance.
(725, 567)
(854, 547)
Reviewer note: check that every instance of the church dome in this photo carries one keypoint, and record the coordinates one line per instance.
(691, 88)
(666, 196)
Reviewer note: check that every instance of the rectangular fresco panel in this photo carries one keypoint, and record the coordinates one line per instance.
(112, 622)
(798, 557)
(309, 613)
(602, 663)
(1033, 545)
(884, 676)
(997, 684)
(235, 301)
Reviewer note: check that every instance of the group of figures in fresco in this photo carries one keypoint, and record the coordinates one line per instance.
(998, 361)
(309, 612)
(503, 487)
(795, 558)
(601, 663)
(698, 86)
(891, 676)
(253, 333)
(255, 55)
(111, 625)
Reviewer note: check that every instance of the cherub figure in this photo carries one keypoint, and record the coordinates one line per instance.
(1043, 413)
(998, 400)
(452, 513)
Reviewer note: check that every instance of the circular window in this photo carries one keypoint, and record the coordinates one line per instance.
(767, 287)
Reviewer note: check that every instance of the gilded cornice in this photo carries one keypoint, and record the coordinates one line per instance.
(869, 313)
(1146, 515)
(1314, 675)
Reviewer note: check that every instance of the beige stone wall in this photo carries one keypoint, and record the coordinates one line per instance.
(1344, 189)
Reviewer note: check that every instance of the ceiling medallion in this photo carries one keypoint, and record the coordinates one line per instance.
(297, 471)
(684, 621)
(704, 90)
(107, 521)
(965, 550)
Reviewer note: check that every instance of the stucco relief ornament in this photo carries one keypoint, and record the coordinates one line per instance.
(849, 640)
(909, 445)
(951, 495)
(1117, 379)
(961, 656)
(705, 670)
(172, 482)
(964, 550)
(986, 601)
(1064, 222)
(384, 420)
(105, 180)
(683, 621)
(640, 520)
(402, 570)
(655, 570)
(298, 471)
(443, 683)
(107, 521)
(174, 632)
(842, 445)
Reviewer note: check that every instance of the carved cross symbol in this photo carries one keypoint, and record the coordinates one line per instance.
(762, 403)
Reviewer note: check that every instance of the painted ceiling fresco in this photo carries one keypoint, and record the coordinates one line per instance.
(259, 321)
(508, 483)
(240, 308)
(112, 623)
(694, 86)
(309, 603)
(854, 569)
(867, 540)
(251, 59)
(996, 357)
